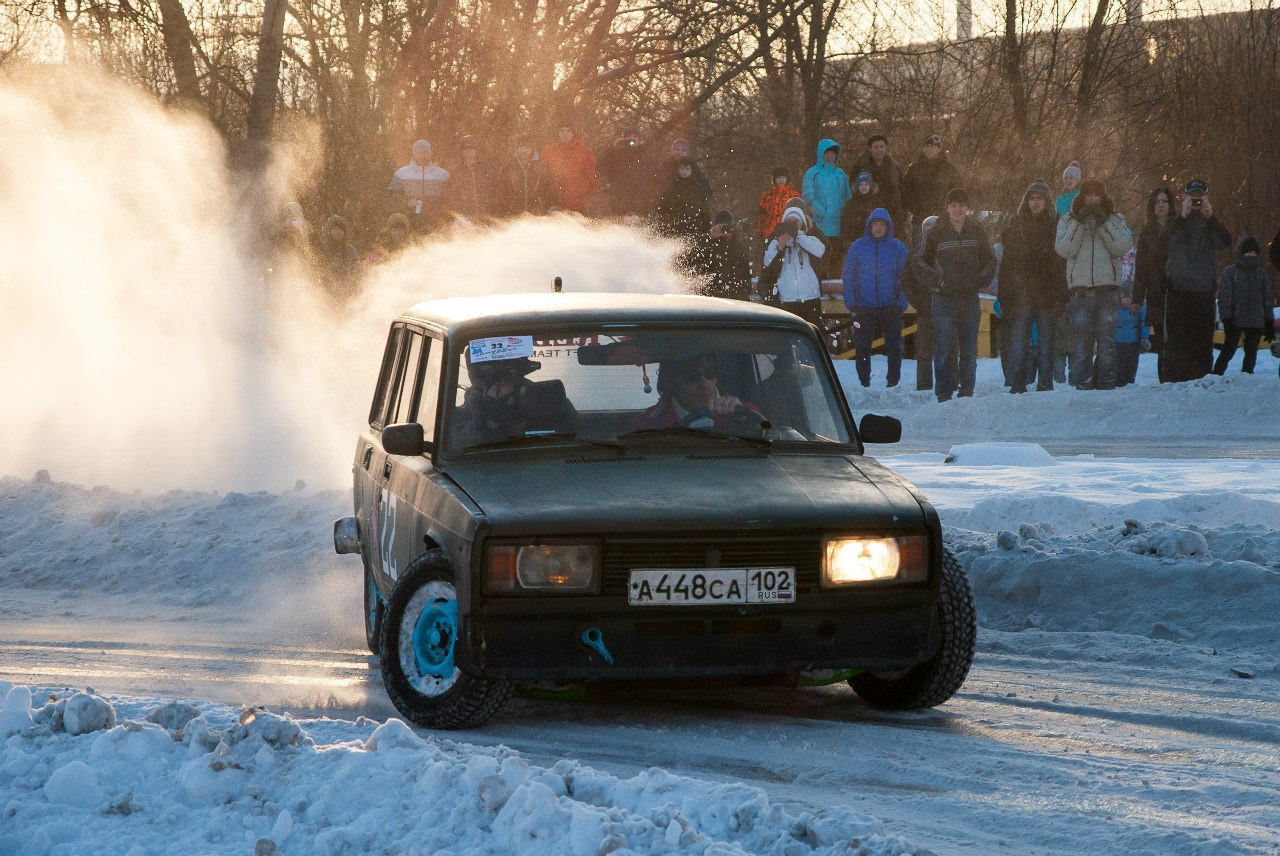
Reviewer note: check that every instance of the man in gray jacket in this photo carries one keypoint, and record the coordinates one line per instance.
(1093, 238)
(1195, 239)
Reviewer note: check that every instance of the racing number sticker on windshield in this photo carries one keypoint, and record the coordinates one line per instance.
(691, 587)
(500, 348)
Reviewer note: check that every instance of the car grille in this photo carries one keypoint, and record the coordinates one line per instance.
(801, 551)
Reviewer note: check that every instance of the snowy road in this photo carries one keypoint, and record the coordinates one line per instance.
(1035, 755)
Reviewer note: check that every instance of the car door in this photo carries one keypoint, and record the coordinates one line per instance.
(397, 386)
(399, 479)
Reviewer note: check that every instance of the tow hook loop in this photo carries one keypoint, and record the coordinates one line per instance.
(594, 639)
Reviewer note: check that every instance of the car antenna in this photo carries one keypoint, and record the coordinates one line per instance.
(557, 284)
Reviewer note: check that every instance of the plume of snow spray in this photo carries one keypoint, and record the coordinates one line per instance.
(141, 345)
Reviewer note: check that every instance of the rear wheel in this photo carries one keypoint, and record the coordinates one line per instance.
(419, 635)
(374, 608)
(932, 682)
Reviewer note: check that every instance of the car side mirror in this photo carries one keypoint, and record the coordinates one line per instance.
(406, 438)
(880, 429)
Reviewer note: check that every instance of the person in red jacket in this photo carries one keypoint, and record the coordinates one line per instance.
(774, 202)
(573, 168)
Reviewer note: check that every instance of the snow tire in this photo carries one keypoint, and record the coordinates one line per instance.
(456, 700)
(933, 682)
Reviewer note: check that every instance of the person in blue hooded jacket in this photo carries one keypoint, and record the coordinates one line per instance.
(873, 292)
(826, 190)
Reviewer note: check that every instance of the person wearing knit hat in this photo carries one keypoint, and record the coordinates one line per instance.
(418, 188)
(525, 185)
(926, 182)
(790, 261)
(1071, 177)
(1033, 286)
(1093, 238)
(1245, 306)
(957, 254)
(774, 201)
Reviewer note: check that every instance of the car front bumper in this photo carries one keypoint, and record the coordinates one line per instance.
(551, 638)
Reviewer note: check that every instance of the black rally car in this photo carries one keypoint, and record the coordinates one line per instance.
(583, 487)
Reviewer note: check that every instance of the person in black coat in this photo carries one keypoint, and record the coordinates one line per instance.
(682, 210)
(718, 257)
(1149, 279)
(1033, 284)
(1195, 239)
(1245, 307)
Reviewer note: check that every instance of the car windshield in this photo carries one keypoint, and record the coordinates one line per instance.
(748, 385)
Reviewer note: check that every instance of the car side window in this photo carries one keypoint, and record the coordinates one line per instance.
(388, 378)
(408, 374)
(429, 398)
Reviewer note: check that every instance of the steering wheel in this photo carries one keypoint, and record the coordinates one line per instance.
(741, 415)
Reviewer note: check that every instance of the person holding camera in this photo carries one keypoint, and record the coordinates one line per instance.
(1196, 237)
(717, 256)
(1093, 238)
(795, 251)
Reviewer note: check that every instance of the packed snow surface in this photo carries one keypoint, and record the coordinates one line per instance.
(1138, 593)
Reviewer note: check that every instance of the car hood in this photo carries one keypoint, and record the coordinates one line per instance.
(690, 492)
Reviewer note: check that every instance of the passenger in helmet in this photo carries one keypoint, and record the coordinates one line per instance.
(503, 403)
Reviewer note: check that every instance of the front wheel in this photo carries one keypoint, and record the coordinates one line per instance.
(419, 635)
(932, 682)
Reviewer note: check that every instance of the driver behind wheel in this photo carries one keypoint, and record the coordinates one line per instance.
(689, 394)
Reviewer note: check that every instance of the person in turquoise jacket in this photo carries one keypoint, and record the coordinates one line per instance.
(873, 294)
(826, 189)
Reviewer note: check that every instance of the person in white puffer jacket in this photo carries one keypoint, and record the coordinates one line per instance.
(1093, 238)
(795, 247)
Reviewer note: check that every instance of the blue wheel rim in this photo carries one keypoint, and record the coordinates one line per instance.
(434, 636)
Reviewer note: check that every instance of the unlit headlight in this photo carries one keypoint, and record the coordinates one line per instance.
(850, 560)
(542, 567)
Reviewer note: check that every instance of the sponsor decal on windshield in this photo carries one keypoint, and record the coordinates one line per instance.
(500, 348)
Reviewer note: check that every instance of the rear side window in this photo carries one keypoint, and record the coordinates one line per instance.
(394, 400)
(409, 374)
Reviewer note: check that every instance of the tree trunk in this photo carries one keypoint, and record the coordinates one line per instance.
(1013, 69)
(179, 47)
(266, 81)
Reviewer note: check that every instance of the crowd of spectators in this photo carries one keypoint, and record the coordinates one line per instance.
(1077, 295)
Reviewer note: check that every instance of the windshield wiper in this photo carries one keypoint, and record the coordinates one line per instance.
(536, 437)
(686, 431)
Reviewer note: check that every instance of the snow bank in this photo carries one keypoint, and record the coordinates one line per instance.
(1216, 587)
(265, 782)
(1222, 411)
(260, 561)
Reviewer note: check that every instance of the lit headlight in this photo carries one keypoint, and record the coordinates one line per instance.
(865, 559)
(542, 567)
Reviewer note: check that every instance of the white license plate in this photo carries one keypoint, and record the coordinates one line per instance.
(710, 586)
